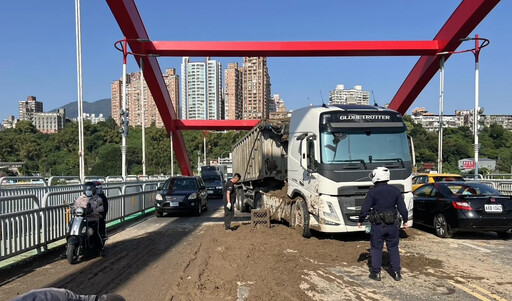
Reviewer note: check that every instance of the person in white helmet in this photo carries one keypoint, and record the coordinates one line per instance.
(61, 294)
(381, 204)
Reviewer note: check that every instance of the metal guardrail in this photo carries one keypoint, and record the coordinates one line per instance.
(30, 223)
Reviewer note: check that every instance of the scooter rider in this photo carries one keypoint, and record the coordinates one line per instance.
(383, 201)
(90, 197)
(103, 197)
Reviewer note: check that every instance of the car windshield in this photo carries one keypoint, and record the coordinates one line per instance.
(183, 184)
(472, 189)
(364, 146)
(447, 178)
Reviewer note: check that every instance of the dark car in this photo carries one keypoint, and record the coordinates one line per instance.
(462, 206)
(182, 194)
(214, 184)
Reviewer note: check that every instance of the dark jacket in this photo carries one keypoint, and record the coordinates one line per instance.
(384, 198)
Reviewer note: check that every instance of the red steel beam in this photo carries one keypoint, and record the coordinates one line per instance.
(460, 24)
(217, 125)
(130, 22)
(282, 49)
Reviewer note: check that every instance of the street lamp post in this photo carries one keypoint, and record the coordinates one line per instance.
(80, 116)
(478, 110)
(441, 105)
(198, 161)
(143, 113)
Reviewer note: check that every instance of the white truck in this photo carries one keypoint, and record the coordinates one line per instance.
(312, 170)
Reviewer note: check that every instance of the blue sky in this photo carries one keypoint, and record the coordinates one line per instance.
(38, 54)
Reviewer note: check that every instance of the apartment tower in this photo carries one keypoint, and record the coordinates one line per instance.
(201, 89)
(355, 96)
(233, 95)
(256, 88)
(133, 99)
(28, 107)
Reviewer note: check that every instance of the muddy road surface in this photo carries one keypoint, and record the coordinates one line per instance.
(194, 258)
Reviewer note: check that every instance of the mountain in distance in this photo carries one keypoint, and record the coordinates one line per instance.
(101, 106)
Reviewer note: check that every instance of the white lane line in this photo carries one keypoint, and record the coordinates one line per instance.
(476, 247)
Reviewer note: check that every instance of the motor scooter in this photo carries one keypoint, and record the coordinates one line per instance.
(83, 237)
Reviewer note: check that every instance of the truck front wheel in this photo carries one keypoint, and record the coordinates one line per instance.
(300, 217)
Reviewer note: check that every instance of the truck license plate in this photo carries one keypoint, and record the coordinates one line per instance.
(174, 204)
(495, 208)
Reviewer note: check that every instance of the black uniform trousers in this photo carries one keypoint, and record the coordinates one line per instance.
(228, 215)
(380, 233)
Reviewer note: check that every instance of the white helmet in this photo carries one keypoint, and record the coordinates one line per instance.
(379, 174)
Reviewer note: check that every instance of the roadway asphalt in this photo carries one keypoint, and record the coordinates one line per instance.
(193, 258)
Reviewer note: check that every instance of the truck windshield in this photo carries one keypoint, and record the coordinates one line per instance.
(364, 146)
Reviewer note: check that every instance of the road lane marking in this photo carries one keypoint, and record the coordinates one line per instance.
(476, 247)
(469, 291)
(494, 296)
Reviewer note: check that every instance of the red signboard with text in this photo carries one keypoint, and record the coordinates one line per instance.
(468, 164)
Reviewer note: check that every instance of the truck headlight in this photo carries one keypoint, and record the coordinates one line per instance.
(159, 197)
(193, 196)
(332, 213)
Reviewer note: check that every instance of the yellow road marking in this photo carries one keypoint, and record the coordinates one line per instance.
(469, 291)
(494, 296)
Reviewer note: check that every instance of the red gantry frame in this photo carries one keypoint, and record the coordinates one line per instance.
(461, 23)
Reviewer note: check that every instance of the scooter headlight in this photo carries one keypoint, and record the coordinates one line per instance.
(84, 229)
(79, 211)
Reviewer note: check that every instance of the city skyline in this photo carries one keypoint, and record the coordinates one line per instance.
(21, 70)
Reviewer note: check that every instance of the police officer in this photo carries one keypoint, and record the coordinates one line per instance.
(383, 201)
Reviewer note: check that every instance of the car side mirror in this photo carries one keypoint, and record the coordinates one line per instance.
(159, 188)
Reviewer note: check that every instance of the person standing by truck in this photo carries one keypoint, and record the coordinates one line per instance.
(381, 204)
(229, 200)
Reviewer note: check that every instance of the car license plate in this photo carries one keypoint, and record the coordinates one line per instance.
(209, 191)
(175, 204)
(495, 208)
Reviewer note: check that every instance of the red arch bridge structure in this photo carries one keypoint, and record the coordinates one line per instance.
(459, 25)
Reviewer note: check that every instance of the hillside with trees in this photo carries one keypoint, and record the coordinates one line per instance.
(495, 143)
(56, 154)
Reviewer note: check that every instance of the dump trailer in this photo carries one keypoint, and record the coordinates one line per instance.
(312, 169)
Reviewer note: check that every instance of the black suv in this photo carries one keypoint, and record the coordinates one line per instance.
(181, 194)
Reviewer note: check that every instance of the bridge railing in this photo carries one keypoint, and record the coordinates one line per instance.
(29, 223)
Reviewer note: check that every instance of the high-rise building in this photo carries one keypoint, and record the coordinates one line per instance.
(133, 99)
(256, 88)
(201, 86)
(28, 107)
(233, 106)
(355, 96)
(277, 104)
(172, 81)
(49, 123)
